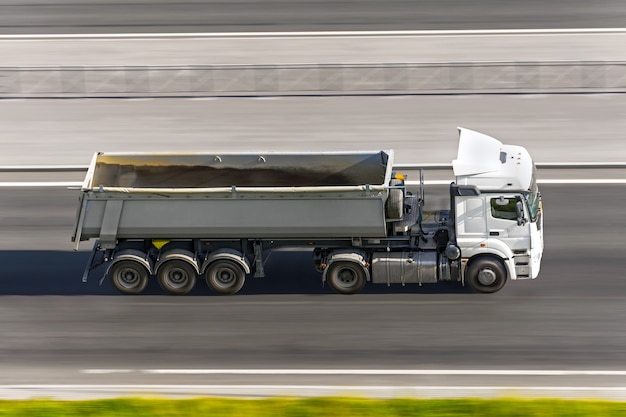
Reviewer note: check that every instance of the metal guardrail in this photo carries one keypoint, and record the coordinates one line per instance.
(313, 79)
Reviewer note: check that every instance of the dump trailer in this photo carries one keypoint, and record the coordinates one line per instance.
(179, 217)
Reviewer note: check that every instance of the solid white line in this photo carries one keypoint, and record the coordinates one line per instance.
(107, 371)
(384, 33)
(581, 181)
(156, 387)
(574, 165)
(35, 168)
(584, 181)
(427, 166)
(305, 390)
(439, 182)
(476, 372)
(397, 372)
(41, 184)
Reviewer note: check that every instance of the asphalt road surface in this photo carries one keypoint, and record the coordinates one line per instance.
(66, 339)
(147, 16)
(562, 334)
(63, 338)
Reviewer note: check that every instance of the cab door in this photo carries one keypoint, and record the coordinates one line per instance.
(508, 221)
(471, 224)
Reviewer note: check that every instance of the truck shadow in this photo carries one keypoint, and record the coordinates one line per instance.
(60, 273)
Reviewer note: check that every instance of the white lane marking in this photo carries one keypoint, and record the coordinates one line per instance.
(584, 181)
(396, 167)
(476, 372)
(605, 181)
(41, 184)
(397, 372)
(384, 33)
(384, 391)
(47, 168)
(107, 371)
(441, 182)
(142, 387)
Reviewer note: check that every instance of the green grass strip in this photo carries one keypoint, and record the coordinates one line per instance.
(335, 407)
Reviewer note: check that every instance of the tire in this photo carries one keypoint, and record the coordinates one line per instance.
(176, 277)
(345, 277)
(225, 277)
(486, 275)
(394, 206)
(129, 277)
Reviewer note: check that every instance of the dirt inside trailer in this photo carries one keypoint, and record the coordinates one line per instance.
(177, 176)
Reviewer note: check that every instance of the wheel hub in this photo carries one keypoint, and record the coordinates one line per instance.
(129, 277)
(347, 277)
(177, 276)
(225, 276)
(487, 277)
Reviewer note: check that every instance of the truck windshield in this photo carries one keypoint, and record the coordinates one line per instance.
(534, 199)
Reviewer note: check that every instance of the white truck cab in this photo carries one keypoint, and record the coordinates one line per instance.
(499, 215)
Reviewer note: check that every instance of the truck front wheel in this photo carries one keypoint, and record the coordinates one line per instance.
(345, 277)
(176, 277)
(225, 277)
(486, 275)
(129, 277)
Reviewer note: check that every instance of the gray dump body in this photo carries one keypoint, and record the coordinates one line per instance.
(269, 195)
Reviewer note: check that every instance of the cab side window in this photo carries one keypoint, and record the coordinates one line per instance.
(503, 208)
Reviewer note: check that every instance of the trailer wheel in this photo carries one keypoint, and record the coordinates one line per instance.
(129, 277)
(345, 277)
(486, 275)
(394, 207)
(225, 277)
(176, 277)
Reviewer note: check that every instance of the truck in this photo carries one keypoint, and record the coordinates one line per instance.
(179, 217)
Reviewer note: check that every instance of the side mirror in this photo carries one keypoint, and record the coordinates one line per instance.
(519, 210)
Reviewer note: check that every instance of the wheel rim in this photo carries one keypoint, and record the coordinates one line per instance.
(129, 278)
(487, 277)
(346, 277)
(177, 277)
(225, 277)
